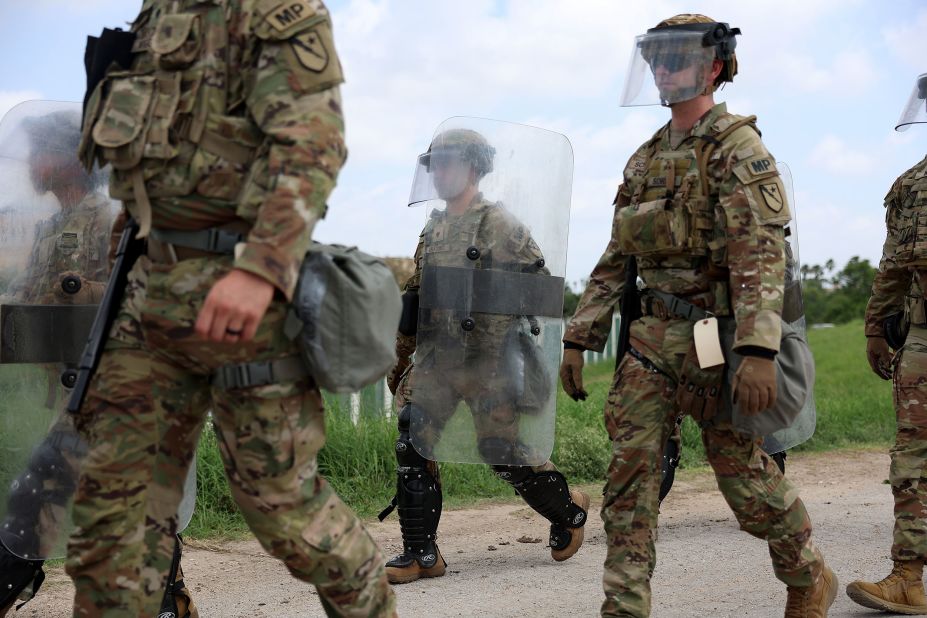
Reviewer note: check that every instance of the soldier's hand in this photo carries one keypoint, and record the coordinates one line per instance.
(754, 385)
(571, 374)
(394, 377)
(234, 307)
(880, 357)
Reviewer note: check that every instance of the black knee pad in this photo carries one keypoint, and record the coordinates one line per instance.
(545, 492)
(17, 574)
(501, 450)
(418, 495)
(668, 467)
(406, 455)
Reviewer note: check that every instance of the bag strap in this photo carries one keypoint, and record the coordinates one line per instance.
(676, 306)
(260, 373)
(706, 147)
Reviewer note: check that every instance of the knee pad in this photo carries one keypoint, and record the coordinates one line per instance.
(406, 455)
(668, 467)
(545, 492)
(16, 575)
(503, 450)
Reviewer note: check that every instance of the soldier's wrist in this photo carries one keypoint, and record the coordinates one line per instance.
(757, 352)
(571, 345)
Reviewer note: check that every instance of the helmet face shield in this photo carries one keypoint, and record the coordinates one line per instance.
(915, 112)
(456, 158)
(668, 66)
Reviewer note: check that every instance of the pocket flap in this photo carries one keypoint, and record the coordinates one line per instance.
(173, 31)
(123, 113)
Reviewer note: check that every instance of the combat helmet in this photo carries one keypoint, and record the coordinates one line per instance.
(718, 35)
(463, 145)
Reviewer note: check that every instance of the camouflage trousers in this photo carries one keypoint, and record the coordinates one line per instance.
(640, 414)
(496, 425)
(143, 416)
(908, 472)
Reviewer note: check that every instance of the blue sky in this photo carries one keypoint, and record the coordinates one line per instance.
(827, 78)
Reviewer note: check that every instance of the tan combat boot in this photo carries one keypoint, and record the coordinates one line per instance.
(580, 499)
(812, 601)
(404, 568)
(902, 592)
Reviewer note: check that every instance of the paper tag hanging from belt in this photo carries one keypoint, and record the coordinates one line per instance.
(707, 343)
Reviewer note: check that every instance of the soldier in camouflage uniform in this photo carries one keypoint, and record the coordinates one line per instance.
(702, 209)
(225, 133)
(70, 247)
(896, 320)
(453, 366)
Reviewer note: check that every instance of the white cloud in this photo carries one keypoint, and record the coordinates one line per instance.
(837, 157)
(907, 41)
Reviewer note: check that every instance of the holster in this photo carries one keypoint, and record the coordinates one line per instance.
(699, 390)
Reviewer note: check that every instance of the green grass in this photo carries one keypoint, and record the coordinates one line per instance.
(853, 405)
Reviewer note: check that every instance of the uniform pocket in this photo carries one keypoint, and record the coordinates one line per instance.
(120, 127)
(177, 40)
(653, 228)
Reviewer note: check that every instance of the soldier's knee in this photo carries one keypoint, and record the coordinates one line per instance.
(406, 455)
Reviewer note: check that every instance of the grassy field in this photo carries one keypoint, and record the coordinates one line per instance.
(854, 410)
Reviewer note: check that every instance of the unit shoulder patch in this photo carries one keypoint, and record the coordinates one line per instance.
(311, 51)
(286, 15)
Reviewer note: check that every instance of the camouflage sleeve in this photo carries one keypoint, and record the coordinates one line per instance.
(756, 209)
(292, 94)
(892, 282)
(415, 281)
(405, 344)
(592, 321)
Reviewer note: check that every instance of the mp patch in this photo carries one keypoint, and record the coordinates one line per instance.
(289, 14)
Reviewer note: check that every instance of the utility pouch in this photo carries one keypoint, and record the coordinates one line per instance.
(699, 391)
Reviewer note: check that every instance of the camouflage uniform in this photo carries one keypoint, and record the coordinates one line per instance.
(229, 115)
(732, 265)
(72, 242)
(898, 287)
(451, 365)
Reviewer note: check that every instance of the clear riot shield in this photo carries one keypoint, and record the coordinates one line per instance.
(54, 235)
(188, 503)
(483, 387)
(793, 314)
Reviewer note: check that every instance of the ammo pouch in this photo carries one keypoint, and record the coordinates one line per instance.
(699, 393)
(344, 316)
(662, 227)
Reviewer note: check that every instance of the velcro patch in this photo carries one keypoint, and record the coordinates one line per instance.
(772, 195)
(290, 13)
(761, 166)
(311, 51)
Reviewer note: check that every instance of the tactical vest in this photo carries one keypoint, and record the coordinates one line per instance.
(911, 250)
(672, 212)
(175, 124)
(457, 243)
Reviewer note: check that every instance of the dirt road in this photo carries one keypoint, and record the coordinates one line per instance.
(706, 565)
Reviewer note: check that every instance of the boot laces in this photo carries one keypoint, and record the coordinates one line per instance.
(798, 600)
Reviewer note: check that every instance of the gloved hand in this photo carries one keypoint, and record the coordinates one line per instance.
(754, 385)
(880, 357)
(571, 374)
(394, 377)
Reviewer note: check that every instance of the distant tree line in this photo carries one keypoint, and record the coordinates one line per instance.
(830, 295)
